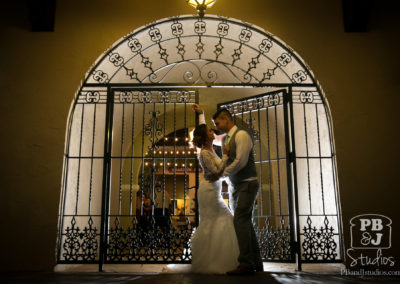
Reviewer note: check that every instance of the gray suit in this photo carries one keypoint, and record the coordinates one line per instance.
(242, 202)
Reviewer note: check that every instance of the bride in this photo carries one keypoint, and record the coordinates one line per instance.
(214, 244)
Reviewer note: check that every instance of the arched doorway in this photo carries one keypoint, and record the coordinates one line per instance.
(128, 156)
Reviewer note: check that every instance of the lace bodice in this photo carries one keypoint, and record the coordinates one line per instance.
(216, 231)
(211, 163)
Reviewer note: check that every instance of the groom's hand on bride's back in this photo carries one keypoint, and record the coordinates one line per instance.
(225, 149)
(212, 177)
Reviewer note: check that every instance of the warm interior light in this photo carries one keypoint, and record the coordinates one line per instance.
(180, 205)
(196, 3)
(201, 5)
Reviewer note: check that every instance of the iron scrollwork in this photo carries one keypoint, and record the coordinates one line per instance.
(222, 31)
(177, 31)
(299, 76)
(92, 97)
(100, 76)
(306, 97)
(200, 29)
(155, 36)
(136, 47)
(116, 59)
(268, 74)
(150, 239)
(319, 244)
(274, 100)
(244, 37)
(125, 97)
(155, 97)
(204, 40)
(284, 59)
(80, 245)
(153, 129)
(274, 242)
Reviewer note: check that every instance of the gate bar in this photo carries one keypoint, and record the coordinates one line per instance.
(106, 178)
(294, 174)
(289, 148)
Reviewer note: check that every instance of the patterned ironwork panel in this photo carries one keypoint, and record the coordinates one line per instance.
(156, 239)
(209, 50)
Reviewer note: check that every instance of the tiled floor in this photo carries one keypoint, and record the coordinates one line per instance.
(283, 273)
(186, 278)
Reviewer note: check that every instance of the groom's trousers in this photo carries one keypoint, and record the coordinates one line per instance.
(243, 198)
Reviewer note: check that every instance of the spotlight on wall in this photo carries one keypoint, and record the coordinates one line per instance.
(201, 5)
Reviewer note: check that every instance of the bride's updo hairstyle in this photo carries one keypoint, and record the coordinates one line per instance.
(200, 135)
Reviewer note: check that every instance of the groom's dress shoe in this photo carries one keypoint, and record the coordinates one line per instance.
(241, 270)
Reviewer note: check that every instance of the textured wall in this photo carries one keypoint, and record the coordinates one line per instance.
(40, 73)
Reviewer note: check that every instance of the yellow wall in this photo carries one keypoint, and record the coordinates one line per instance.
(40, 73)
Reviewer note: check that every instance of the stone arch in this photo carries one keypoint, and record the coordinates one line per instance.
(190, 55)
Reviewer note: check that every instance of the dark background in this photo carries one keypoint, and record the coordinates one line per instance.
(41, 71)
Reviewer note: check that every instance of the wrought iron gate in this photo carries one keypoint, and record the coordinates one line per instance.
(287, 227)
(149, 181)
(154, 156)
(123, 167)
(265, 118)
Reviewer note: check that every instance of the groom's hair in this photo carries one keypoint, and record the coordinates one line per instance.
(222, 112)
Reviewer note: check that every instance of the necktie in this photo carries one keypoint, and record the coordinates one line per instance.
(226, 139)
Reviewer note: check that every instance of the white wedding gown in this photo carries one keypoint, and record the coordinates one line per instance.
(214, 244)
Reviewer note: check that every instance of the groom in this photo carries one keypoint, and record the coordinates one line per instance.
(241, 170)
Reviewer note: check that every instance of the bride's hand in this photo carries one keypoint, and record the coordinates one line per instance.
(226, 149)
(197, 109)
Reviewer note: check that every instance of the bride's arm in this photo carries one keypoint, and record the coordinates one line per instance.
(213, 163)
